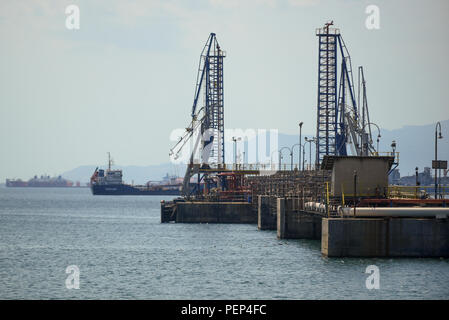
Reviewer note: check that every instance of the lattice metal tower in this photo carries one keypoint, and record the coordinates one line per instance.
(214, 101)
(210, 80)
(327, 111)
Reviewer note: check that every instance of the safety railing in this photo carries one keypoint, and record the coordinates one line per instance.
(259, 166)
(324, 31)
(387, 154)
(417, 192)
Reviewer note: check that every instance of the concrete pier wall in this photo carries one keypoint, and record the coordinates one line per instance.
(280, 221)
(166, 212)
(266, 214)
(296, 224)
(215, 212)
(385, 237)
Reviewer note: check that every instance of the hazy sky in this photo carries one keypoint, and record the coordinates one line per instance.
(126, 79)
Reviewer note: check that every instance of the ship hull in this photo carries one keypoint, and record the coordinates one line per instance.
(128, 190)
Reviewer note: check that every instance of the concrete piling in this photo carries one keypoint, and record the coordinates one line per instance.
(281, 218)
(385, 237)
(215, 212)
(294, 223)
(266, 216)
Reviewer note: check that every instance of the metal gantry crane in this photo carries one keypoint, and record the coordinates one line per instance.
(340, 120)
(207, 121)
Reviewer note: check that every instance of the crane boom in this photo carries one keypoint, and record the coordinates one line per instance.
(207, 121)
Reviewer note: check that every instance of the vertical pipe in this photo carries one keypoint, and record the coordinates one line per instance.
(416, 182)
(355, 192)
(310, 154)
(303, 156)
(436, 161)
(291, 160)
(299, 156)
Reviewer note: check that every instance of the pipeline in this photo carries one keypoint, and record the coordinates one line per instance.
(440, 212)
(315, 206)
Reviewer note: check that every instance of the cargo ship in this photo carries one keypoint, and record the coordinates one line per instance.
(40, 182)
(110, 182)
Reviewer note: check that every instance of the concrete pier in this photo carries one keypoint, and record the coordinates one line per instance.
(385, 237)
(293, 223)
(211, 212)
(266, 213)
(281, 218)
(340, 236)
(167, 211)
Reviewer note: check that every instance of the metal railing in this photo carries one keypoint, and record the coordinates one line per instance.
(257, 166)
(417, 192)
(387, 154)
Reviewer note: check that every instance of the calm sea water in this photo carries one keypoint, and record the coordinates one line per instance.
(124, 252)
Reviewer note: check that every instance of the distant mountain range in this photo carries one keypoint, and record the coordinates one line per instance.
(416, 145)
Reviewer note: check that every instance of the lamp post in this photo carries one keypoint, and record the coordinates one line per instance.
(416, 175)
(303, 154)
(378, 139)
(437, 126)
(280, 160)
(291, 159)
(393, 147)
(292, 148)
(307, 140)
(310, 149)
(235, 139)
(299, 156)
(280, 153)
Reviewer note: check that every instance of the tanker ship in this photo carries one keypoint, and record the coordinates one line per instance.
(110, 182)
(40, 182)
